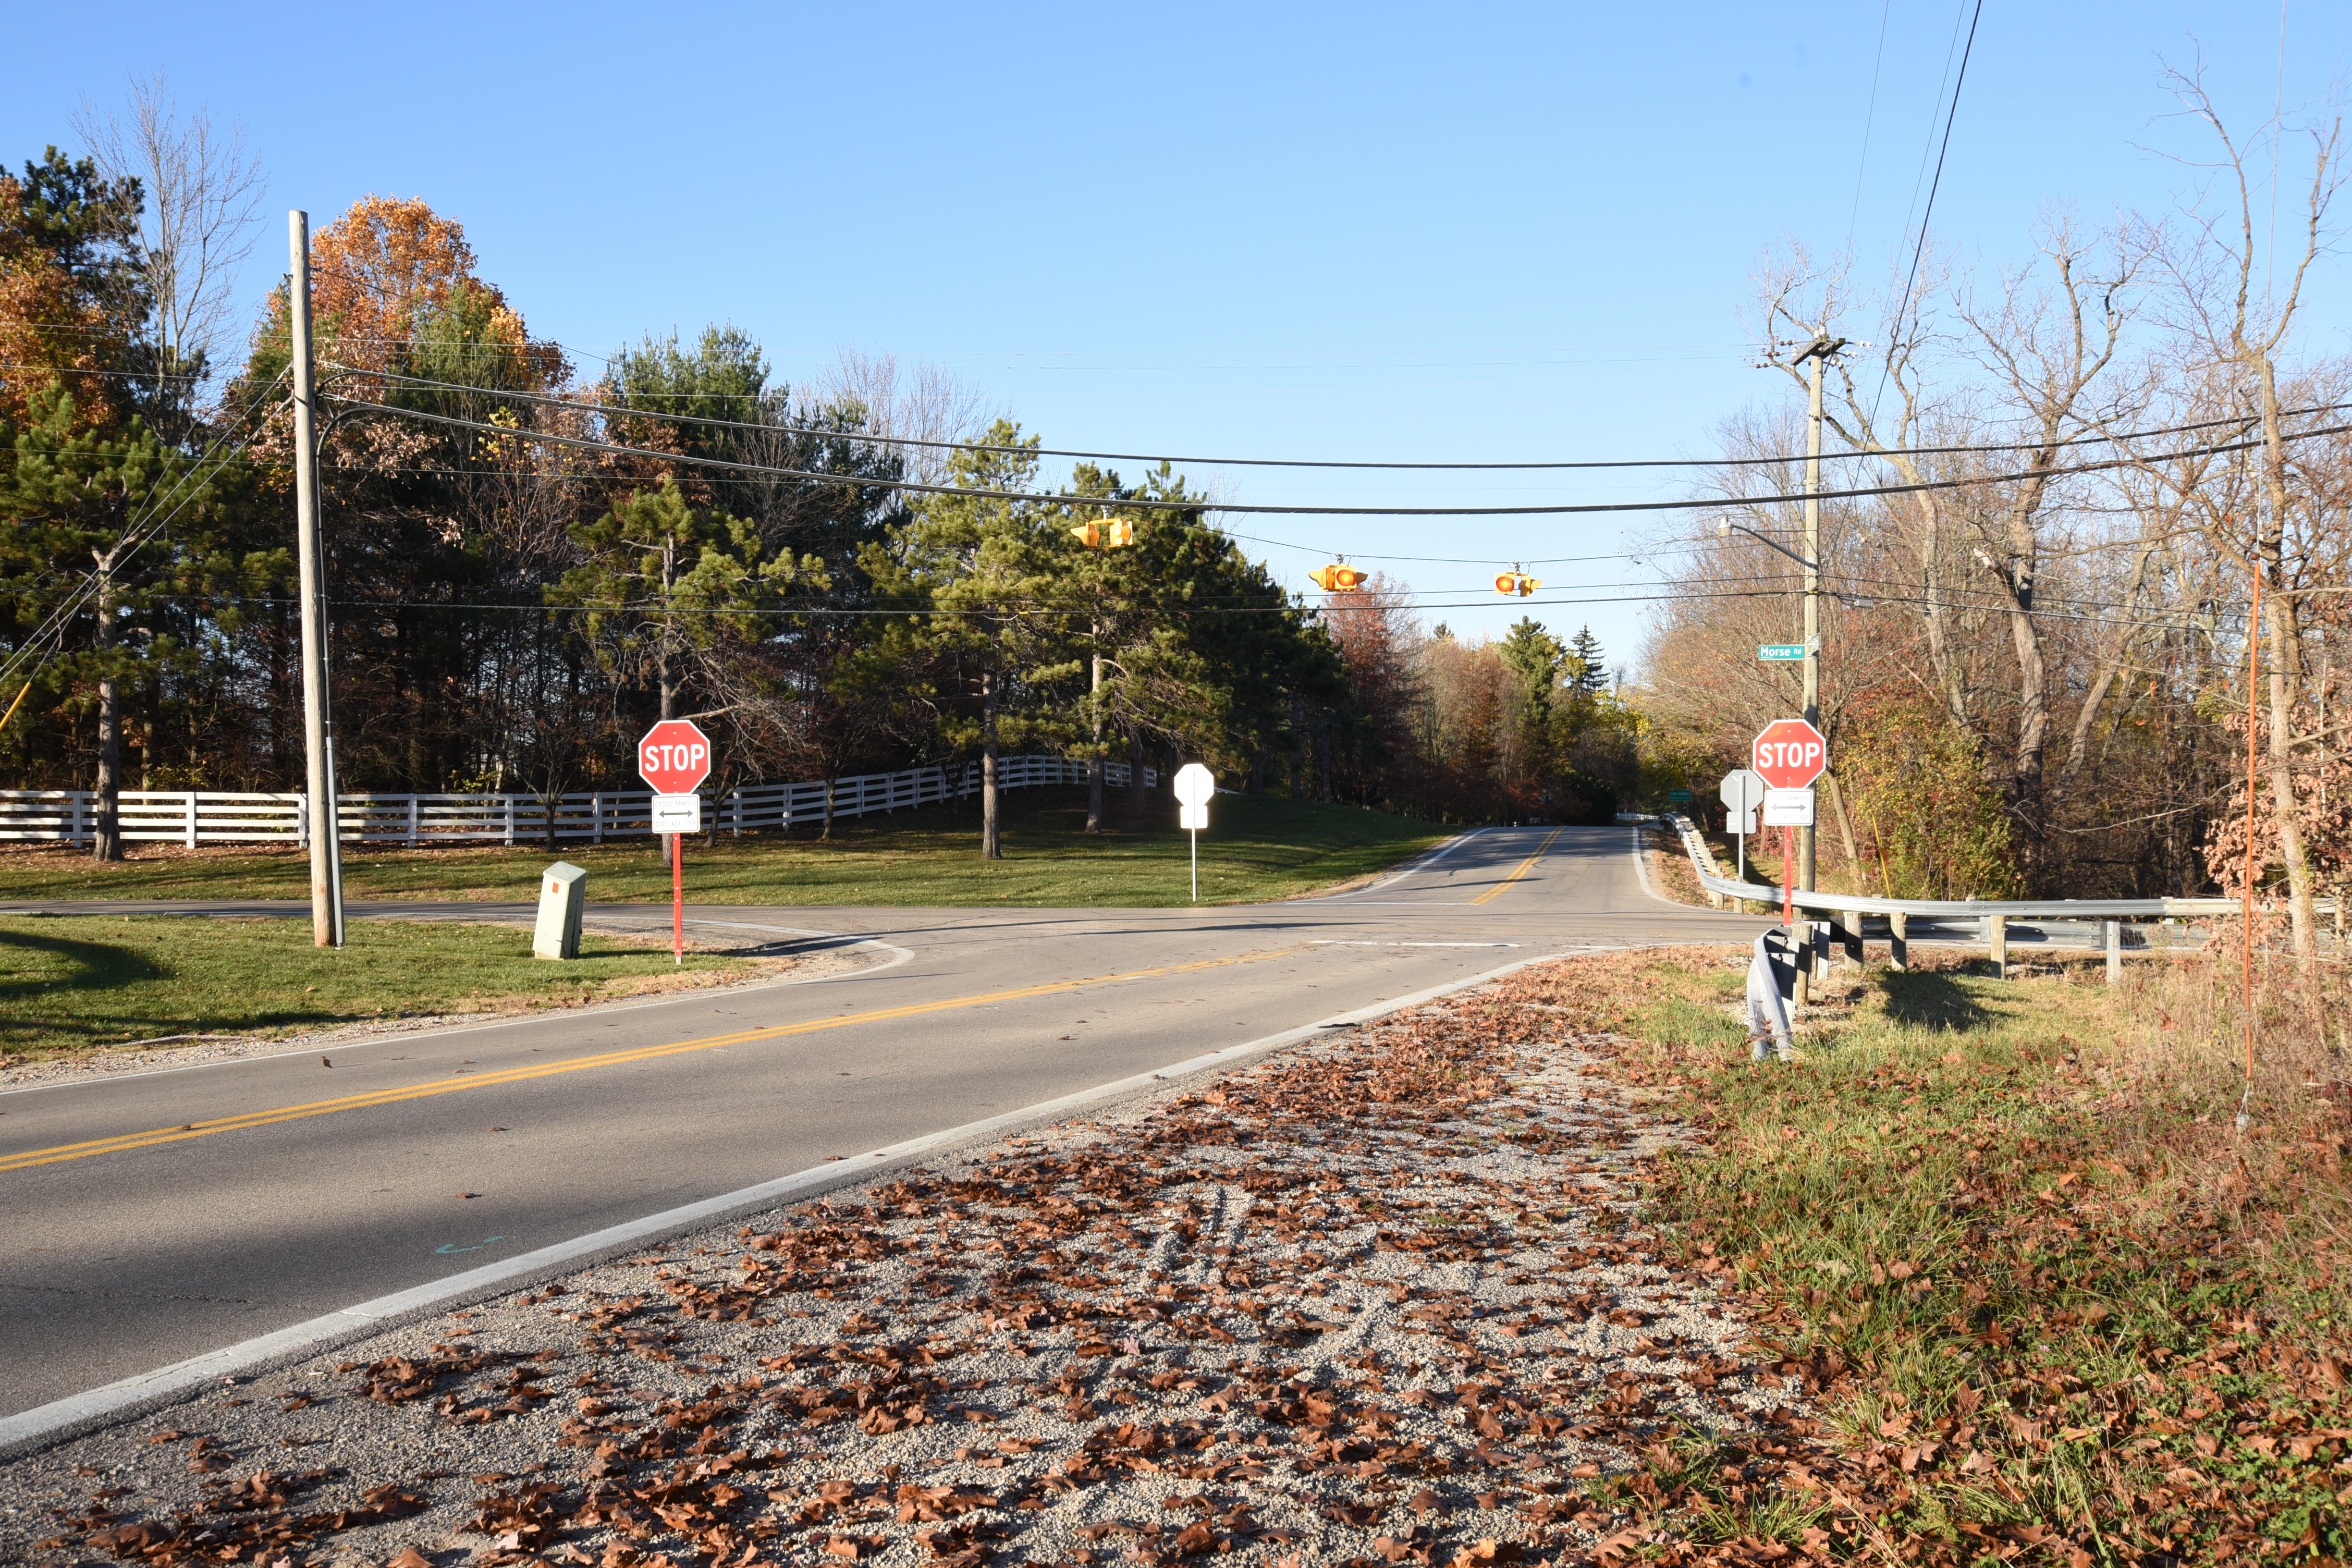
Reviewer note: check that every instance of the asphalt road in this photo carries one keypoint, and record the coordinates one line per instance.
(141, 1230)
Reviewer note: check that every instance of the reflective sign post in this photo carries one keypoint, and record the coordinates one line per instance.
(1195, 786)
(1741, 794)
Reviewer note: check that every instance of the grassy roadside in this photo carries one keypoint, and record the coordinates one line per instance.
(70, 983)
(1259, 847)
(2052, 1305)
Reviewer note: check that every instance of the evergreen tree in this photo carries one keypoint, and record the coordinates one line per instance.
(1591, 675)
(988, 641)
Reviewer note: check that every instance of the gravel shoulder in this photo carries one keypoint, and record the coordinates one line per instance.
(1386, 1297)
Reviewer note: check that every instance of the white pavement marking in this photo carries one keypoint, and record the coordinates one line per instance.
(839, 939)
(1442, 850)
(1334, 942)
(87, 1411)
(1642, 869)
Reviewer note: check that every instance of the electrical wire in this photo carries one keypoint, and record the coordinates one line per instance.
(1920, 249)
(1106, 503)
(136, 535)
(1088, 608)
(611, 411)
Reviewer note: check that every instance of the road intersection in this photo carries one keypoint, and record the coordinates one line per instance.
(155, 1216)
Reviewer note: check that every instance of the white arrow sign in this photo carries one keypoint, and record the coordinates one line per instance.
(1788, 808)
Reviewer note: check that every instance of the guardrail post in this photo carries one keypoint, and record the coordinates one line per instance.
(1899, 941)
(1852, 938)
(2113, 931)
(1997, 939)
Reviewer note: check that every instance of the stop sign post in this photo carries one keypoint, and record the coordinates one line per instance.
(674, 759)
(1790, 753)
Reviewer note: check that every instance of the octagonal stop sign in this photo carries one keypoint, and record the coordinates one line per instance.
(1790, 754)
(675, 757)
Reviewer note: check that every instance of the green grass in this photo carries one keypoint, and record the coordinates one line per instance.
(72, 983)
(1963, 1223)
(1259, 847)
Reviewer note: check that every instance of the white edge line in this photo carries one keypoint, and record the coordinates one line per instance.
(1642, 869)
(1448, 847)
(839, 939)
(64, 1419)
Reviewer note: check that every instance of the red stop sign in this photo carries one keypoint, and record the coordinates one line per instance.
(1790, 754)
(674, 757)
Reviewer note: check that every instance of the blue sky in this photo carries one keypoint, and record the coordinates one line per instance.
(1456, 234)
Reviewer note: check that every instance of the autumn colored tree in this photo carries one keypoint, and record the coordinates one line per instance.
(72, 298)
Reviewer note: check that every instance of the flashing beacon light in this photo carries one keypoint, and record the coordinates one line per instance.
(1516, 582)
(1337, 577)
(1109, 533)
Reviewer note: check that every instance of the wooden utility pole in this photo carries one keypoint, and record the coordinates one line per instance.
(1818, 352)
(317, 720)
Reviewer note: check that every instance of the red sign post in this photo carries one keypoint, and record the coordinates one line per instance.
(1789, 754)
(675, 758)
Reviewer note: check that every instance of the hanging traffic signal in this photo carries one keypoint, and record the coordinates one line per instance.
(1107, 534)
(1516, 582)
(1337, 578)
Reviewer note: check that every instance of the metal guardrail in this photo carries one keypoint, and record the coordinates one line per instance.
(1711, 878)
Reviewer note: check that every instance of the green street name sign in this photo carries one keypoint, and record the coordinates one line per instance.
(1770, 651)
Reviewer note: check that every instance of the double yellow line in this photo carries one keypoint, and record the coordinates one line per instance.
(64, 1152)
(1521, 869)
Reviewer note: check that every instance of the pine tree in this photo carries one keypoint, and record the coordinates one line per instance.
(1591, 675)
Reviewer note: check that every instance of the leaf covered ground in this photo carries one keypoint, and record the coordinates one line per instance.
(1384, 1299)
(1544, 1273)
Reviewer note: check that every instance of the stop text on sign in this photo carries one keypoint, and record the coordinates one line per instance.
(674, 757)
(1790, 753)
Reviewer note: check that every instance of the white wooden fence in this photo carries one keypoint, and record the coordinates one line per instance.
(211, 816)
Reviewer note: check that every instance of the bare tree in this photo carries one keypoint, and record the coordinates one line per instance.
(2248, 329)
(929, 403)
(202, 190)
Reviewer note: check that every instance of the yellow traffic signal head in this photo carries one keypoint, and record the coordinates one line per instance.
(1336, 578)
(1107, 532)
(1516, 582)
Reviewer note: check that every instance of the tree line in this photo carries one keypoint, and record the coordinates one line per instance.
(525, 565)
(2038, 648)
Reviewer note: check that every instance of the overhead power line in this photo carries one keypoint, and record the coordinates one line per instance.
(25, 661)
(611, 411)
(1561, 509)
(1082, 610)
(1920, 249)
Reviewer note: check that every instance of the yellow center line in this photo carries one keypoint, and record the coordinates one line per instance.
(129, 1140)
(1521, 869)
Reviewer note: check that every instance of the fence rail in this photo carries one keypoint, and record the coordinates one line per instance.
(192, 818)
